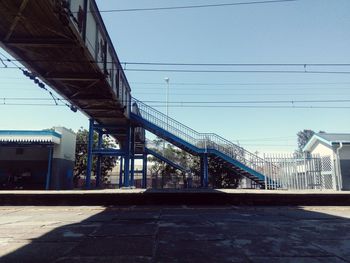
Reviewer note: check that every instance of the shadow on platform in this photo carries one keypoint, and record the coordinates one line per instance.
(175, 234)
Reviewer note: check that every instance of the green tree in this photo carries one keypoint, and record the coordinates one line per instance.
(303, 137)
(221, 174)
(107, 162)
(163, 173)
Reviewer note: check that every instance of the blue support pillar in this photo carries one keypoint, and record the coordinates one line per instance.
(132, 153)
(99, 157)
(127, 159)
(49, 170)
(144, 171)
(89, 154)
(204, 170)
(132, 170)
(121, 171)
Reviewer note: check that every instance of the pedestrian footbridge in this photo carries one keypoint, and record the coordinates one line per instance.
(66, 45)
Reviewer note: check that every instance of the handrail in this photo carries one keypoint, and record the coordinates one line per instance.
(201, 140)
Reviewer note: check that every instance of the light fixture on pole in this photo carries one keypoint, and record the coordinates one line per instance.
(167, 108)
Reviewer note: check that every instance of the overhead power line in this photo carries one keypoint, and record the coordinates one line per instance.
(253, 106)
(249, 102)
(201, 102)
(228, 71)
(237, 64)
(241, 83)
(39, 83)
(285, 138)
(32, 104)
(225, 71)
(269, 145)
(237, 71)
(201, 106)
(195, 6)
(193, 64)
(298, 68)
(205, 104)
(5, 103)
(216, 94)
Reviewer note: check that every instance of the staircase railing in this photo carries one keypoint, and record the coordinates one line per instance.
(202, 140)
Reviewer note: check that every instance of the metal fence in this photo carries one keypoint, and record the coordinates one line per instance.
(300, 172)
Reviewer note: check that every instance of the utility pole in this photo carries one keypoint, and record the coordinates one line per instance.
(167, 98)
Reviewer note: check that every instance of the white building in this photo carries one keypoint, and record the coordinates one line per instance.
(336, 147)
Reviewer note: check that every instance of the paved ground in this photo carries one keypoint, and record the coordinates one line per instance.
(174, 234)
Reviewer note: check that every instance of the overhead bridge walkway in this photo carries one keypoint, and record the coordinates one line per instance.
(203, 145)
(66, 45)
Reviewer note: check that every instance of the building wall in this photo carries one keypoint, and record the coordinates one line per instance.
(344, 155)
(63, 160)
(66, 149)
(322, 149)
(62, 174)
(23, 153)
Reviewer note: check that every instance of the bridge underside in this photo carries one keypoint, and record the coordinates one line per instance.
(40, 35)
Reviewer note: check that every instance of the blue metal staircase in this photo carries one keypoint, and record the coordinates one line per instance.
(243, 162)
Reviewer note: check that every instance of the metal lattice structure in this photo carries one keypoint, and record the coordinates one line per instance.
(302, 172)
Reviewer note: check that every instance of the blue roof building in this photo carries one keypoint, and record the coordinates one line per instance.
(37, 159)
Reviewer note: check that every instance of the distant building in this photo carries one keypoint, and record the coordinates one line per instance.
(37, 159)
(336, 147)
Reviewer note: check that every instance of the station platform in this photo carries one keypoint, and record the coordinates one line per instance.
(129, 197)
(86, 234)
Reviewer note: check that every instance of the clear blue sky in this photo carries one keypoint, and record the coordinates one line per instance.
(304, 31)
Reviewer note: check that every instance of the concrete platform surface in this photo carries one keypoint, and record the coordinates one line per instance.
(174, 234)
(174, 197)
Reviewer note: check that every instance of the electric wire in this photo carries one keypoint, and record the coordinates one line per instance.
(238, 64)
(201, 102)
(3, 63)
(237, 71)
(304, 69)
(202, 106)
(253, 106)
(284, 95)
(142, 63)
(241, 83)
(195, 6)
(250, 102)
(225, 71)
(39, 83)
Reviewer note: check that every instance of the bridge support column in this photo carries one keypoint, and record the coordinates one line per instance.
(121, 171)
(204, 169)
(144, 171)
(49, 169)
(99, 157)
(132, 153)
(127, 158)
(89, 154)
